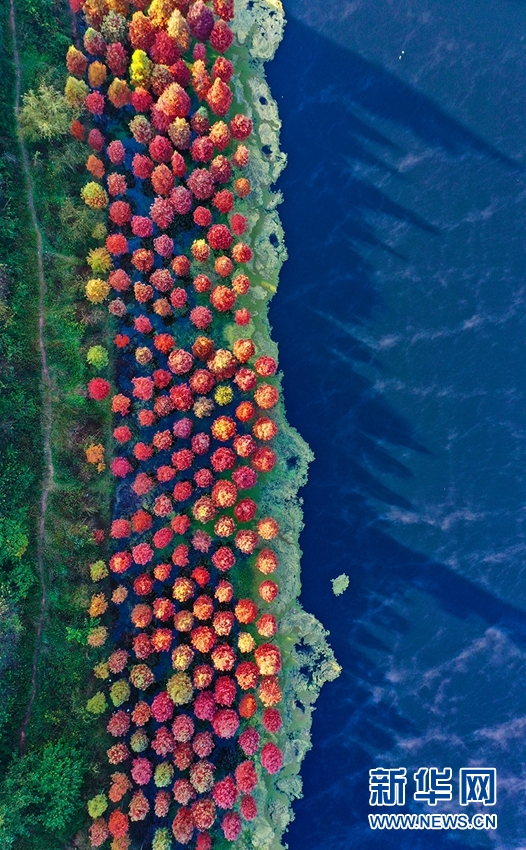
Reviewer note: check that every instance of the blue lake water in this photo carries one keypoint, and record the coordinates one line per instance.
(402, 330)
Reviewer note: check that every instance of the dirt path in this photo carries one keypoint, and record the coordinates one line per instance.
(47, 387)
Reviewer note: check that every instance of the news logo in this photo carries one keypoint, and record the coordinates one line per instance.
(387, 785)
(478, 785)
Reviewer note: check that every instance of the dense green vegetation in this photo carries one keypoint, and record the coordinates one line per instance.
(20, 445)
(40, 792)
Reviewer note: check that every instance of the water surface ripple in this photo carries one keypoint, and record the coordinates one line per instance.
(402, 338)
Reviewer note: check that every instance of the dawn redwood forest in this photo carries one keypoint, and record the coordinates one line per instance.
(158, 673)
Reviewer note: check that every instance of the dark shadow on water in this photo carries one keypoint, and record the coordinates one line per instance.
(365, 85)
(328, 99)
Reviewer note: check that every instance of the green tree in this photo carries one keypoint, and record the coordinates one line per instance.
(10, 628)
(97, 356)
(40, 796)
(13, 539)
(45, 114)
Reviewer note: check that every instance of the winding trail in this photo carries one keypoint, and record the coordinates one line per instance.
(47, 482)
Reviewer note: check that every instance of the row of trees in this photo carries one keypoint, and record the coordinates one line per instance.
(185, 604)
